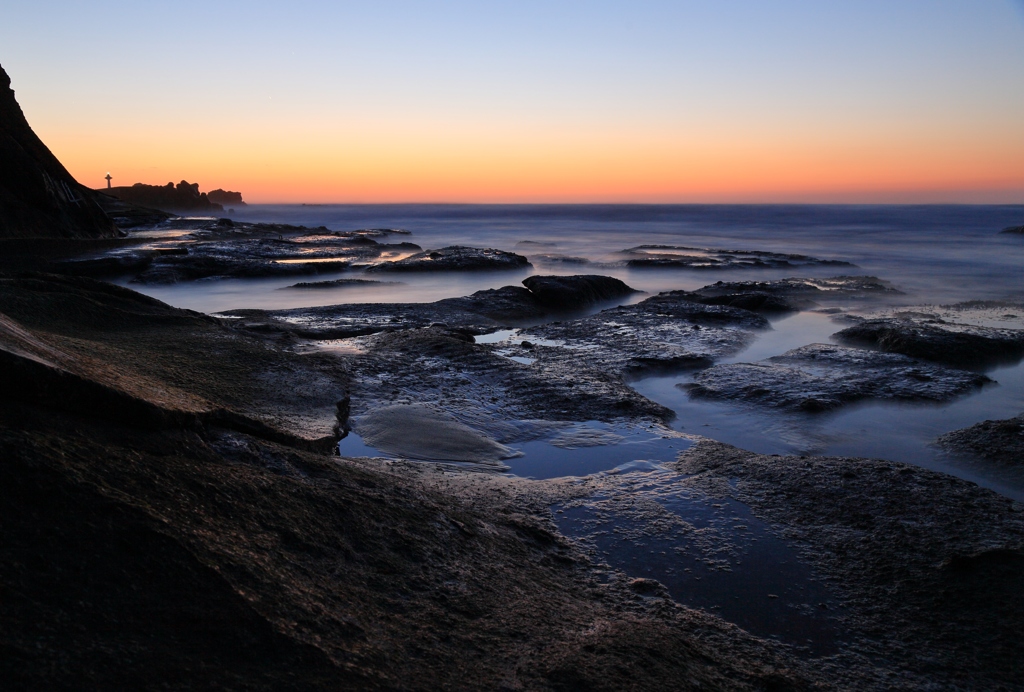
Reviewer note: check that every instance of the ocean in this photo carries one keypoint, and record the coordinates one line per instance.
(934, 254)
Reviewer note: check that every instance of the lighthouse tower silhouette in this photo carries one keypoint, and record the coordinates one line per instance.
(108, 181)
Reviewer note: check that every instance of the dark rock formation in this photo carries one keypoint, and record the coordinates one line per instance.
(680, 257)
(455, 258)
(224, 248)
(821, 377)
(129, 216)
(225, 198)
(38, 197)
(1018, 230)
(664, 333)
(337, 283)
(575, 292)
(183, 197)
(959, 345)
(999, 441)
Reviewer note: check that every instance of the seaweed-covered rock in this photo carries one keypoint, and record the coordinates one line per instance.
(455, 258)
(820, 377)
(959, 345)
(575, 292)
(1001, 441)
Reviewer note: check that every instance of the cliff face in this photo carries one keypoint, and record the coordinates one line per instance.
(38, 197)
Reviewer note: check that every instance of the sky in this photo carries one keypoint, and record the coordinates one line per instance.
(854, 101)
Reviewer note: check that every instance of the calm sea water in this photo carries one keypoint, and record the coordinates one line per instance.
(935, 254)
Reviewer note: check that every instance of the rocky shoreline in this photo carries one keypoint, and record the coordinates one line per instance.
(141, 439)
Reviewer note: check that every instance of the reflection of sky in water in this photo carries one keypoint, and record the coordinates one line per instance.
(713, 554)
(889, 430)
(576, 450)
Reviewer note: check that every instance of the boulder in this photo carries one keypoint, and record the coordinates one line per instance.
(575, 292)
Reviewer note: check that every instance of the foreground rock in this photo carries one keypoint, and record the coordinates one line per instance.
(959, 345)
(681, 257)
(820, 377)
(455, 258)
(38, 197)
(999, 441)
(149, 539)
(89, 347)
(167, 521)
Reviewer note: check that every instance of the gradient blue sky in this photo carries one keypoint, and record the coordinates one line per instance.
(532, 101)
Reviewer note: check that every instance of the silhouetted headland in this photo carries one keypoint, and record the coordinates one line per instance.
(183, 197)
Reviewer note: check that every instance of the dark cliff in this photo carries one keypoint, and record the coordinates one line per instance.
(38, 197)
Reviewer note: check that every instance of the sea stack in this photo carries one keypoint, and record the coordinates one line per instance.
(38, 197)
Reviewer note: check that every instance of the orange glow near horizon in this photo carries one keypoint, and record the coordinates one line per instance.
(317, 163)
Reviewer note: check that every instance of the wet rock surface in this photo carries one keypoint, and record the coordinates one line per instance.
(681, 257)
(481, 312)
(959, 345)
(266, 565)
(922, 565)
(480, 387)
(999, 441)
(191, 249)
(821, 377)
(664, 333)
(455, 258)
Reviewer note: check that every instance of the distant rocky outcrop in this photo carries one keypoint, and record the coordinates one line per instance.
(38, 197)
(225, 197)
(184, 196)
(1018, 230)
